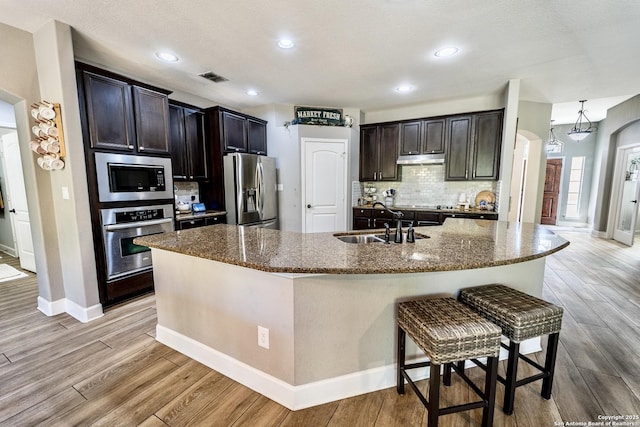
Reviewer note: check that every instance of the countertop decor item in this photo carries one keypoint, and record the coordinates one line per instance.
(485, 199)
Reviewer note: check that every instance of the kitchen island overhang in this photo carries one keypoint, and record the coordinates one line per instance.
(331, 329)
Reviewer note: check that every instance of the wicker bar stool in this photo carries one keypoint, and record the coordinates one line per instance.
(521, 316)
(448, 331)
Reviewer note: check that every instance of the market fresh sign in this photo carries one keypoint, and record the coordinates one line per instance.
(318, 116)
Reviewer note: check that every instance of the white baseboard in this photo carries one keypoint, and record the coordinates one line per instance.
(84, 315)
(302, 396)
(600, 234)
(9, 250)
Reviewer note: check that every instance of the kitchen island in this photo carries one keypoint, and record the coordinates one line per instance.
(328, 306)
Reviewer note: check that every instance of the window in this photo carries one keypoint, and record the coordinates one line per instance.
(575, 184)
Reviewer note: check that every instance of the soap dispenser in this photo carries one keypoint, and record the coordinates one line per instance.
(411, 235)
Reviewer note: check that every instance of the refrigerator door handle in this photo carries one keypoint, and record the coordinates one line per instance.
(260, 185)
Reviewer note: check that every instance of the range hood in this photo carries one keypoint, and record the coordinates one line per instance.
(421, 159)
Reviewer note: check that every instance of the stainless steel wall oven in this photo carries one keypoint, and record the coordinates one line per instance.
(120, 226)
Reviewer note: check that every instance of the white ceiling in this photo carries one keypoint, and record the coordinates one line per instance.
(353, 53)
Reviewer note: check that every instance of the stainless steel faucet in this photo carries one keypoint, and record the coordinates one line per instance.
(397, 215)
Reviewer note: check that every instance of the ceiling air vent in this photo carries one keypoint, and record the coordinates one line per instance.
(214, 77)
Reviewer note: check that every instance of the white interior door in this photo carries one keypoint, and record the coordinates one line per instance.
(17, 201)
(324, 179)
(629, 194)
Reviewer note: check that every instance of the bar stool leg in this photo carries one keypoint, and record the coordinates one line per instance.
(490, 391)
(446, 374)
(401, 361)
(512, 374)
(433, 409)
(550, 365)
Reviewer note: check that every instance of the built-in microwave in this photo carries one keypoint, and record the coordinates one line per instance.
(123, 177)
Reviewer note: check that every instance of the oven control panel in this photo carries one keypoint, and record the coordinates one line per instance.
(139, 215)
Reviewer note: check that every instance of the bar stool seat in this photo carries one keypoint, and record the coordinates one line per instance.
(521, 317)
(447, 331)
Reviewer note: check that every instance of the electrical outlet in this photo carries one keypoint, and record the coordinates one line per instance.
(263, 337)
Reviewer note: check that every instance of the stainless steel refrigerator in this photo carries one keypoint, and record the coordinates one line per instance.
(250, 190)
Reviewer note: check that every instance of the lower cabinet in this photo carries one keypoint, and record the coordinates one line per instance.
(185, 224)
(371, 219)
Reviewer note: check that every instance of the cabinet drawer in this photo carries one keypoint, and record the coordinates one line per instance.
(364, 213)
(190, 223)
(428, 218)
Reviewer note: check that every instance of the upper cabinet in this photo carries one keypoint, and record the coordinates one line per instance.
(487, 139)
(152, 120)
(229, 132)
(240, 133)
(474, 145)
(458, 146)
(187, 143)
(123, 116)
(471, 143)
(422, 137)
(379, 152)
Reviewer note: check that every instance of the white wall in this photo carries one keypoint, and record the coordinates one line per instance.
(284, 145)
(64, 256)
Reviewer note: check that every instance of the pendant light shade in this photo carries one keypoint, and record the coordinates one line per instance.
(554, 145)
(577, 133)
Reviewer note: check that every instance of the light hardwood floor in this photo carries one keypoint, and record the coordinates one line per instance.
(111, 371)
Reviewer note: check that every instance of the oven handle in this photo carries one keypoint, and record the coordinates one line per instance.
(115, 227)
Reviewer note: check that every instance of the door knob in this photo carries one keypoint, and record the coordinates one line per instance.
(309, 206)
(634, 201)
(12, 210)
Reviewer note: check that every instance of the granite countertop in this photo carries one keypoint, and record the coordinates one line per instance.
(458, 244)
(195, 215)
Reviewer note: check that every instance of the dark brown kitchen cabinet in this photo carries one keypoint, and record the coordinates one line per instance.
(234, 134)
(474, 145)
(109, 112)
(379, 152)
(487, 146)
(422, 137)
(362, 219)
(229, 132)
(458, 147)
(242, 133)
(257, 136)
(123, 116)
(152, 120)
(188, 144)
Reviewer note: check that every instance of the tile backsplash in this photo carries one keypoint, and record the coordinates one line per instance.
(425, 185)
(184, 191)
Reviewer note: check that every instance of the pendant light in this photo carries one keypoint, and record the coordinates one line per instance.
(577, 133)
(554, 145)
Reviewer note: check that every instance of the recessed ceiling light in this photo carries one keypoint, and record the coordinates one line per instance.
(446, 51)
(286, 43)
(167, 56)
(252, 92)
(404, 89)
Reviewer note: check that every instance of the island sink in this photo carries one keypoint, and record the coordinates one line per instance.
(370, 238)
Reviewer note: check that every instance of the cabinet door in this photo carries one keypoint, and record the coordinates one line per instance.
(177, 145)
(410, 138)
(257, 137)
(195, 144)
(458, 141)
(152, 120)
(487, 143)
(388, 152)
(368, 153)
(433, 136)
(361, 223)
(233, 133)
(109, 113)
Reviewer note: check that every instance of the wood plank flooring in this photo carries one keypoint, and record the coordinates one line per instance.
(111, 371)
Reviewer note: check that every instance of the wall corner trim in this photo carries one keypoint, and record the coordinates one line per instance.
(83, 314)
